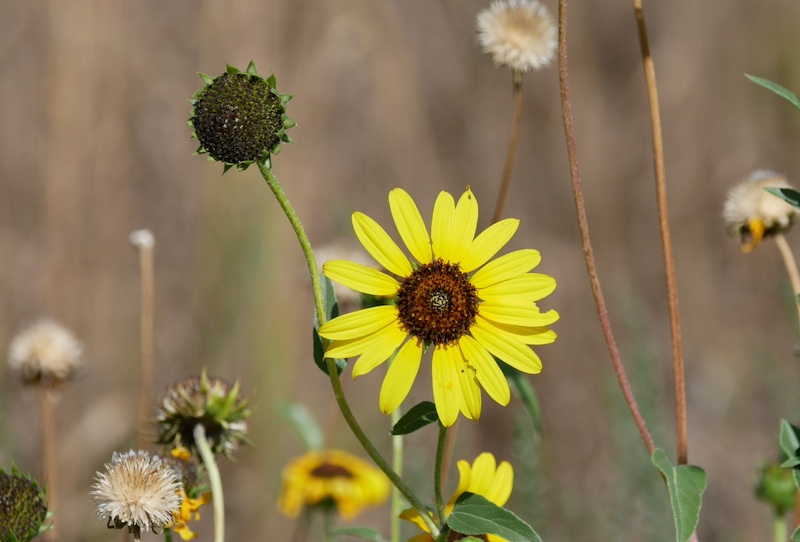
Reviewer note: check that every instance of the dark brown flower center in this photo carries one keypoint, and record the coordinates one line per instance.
(437, 303)
(329, 470)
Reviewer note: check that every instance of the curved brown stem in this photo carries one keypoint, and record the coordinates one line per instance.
(666, 239)
(583, 225)
(516, 123)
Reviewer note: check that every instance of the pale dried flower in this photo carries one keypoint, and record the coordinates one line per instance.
(45, 352)
(519, 34)
(751, 213)
(138, 491)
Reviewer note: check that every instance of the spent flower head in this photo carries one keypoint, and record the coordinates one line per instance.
(138, 492)
(519, 34)
(468, 309)
(331, 478)
(751, 213)
(205, 400)
(483, 477)
(240, 118)
(194, 494)
(45, 353)
(23, 508)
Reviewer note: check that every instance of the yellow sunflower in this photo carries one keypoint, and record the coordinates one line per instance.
(484, 477)
(332, 478)
(449, 298)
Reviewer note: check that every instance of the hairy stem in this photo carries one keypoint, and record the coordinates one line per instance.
(583, 225)
(397, 465)
(437, 474)
(516, 123)
(681, 437)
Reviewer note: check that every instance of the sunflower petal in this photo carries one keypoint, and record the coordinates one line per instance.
(444, 211)
(529, 335)
(527, 287)
(355, 347)
(488, 243)
(506, 347)
(446, 388)
(379, 351)
(482, 473)
(359, 323)
(470, 391)
(489, 374)
(465, 224)
(506, 267)
(361, 278)
(380, 245)
(503, 482)
(464, 478)
(400, 376)
(517, 314)
(410, 225)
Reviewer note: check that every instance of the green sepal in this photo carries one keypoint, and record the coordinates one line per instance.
(475, 515)
(789, 195)
(303, 422)
(359, 532)
(789, 442)
(686, 484)
(273, 82)
(207, 79)
(251, 69)
(331, 312)
(416, 418)
(783, 92)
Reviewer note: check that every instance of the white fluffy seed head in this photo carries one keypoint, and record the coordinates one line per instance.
(519, 34)
(46, 353)
(137, 491)
(749, 201)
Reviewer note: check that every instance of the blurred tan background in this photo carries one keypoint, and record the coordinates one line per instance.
(94, 144)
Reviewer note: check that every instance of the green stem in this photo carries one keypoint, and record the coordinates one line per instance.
(437, 482)
(397, 465)
(333, 372)
(327, 519)
(305, 244)
(168, 535)
(214, 481)
(780, 528)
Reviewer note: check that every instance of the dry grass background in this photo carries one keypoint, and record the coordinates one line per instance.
(94, 144)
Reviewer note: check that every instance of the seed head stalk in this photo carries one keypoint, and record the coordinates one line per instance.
(516, 123)
(330, 364)
(583, 225)
(214, 481)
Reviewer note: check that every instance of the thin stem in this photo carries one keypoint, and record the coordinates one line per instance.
(791, 268)
(214, 481)
(449, 444)
(512, 146)
(397, 465)
(146, 339)
(780, 528)
(327, 520)
(168, 534)
(330, 364)
(301, 528)
(437, 474)
(48, 453)
(300, 232)
(682, 442)
(583, 225)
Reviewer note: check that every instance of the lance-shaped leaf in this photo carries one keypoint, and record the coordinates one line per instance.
(686, 484)
(474, 515)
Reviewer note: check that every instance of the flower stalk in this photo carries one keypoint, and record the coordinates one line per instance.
(214, 480)
(437, 482)
(516, 123)
(583, 225)
(330, 364)
(682, 442)
(143, 240)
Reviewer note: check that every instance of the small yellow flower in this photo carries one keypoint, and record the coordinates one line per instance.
(751, 213)
(449, 298)
(182, 517)
(484, 477)
(332, 478)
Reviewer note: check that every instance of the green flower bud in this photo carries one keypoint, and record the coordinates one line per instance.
(22, 507)
(240, 118)
(776, 487)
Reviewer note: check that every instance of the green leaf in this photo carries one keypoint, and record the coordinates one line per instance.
(474, 515)
(783, 92)
(331, 312)
(796, 535)
(686, 484)
(416, 418)
(789, 441)
(522, 387)
(791, 196)
(359, 532)
(302, 421)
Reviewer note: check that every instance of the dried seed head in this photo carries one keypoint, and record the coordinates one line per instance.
(22, 507)
(45, 353)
